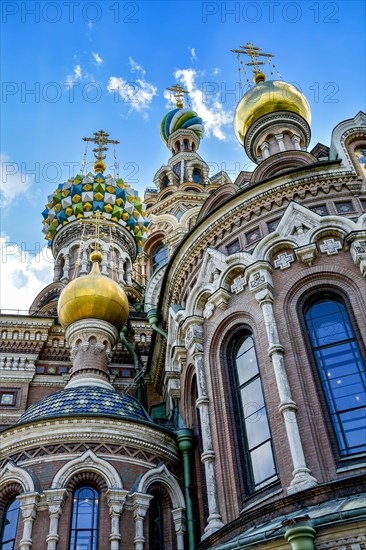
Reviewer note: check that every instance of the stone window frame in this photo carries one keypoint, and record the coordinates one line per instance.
(353, 211)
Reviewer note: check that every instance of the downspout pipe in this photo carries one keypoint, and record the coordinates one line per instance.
(153, 319)
(185, 440)
(136, 362)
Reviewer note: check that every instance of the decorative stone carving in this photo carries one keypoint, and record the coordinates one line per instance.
(307, 254)
(330, 246)
(208, 310)
(238, 284)
(284, 260)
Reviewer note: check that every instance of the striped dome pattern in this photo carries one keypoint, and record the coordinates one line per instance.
(83, 196)
(181, 118)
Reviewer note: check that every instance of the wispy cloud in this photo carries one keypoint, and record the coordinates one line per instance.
(98, 60)
(208, 105)
(23, 275)
(137, 93)
(77, 75)
(192, 51)
(135, 67)
(13, 182)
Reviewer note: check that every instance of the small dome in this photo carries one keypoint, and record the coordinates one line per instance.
(86, 401)
(93, 296)
(83, 196)
(268, 97)
(181, 118)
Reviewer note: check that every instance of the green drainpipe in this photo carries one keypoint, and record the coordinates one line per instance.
(300, 537)
(131, 351)
(185, 443)
(153, 318)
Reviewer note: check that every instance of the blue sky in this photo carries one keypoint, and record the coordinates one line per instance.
(88, 62)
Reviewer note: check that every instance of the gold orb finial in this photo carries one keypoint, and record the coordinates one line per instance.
(96, 257)
(259, 77)
(99, 166)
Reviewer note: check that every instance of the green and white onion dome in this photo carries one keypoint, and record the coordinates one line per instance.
(180, 119)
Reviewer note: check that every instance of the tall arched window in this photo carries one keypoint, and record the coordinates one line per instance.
(159, 256)
(9, 525)
(156, 525)
(341, 370)
(84, 520)
(256, 438)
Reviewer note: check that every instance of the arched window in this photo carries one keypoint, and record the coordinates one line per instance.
(156, 524)
(159, 256)
(186, 144)
(84, 519)
(9, 525)
(165, 182)
(258, 458)
(177, 146)
(197, 175)
(341, 369)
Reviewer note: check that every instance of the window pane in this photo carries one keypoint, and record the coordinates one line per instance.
(9, 525)
(262, 462)
(257, 428)
(354, 426)
(252, 397)
(84, 533)
(246, 361)
(341, 371)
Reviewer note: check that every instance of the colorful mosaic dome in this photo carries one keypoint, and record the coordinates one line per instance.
(181, 118)
(86, 401)
(83, 196)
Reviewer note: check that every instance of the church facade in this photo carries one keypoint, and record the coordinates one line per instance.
(194, 376)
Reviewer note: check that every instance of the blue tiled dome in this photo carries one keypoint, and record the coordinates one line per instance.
(86, 401)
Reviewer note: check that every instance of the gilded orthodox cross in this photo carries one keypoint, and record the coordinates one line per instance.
(101, 140)
(253, 52)
(179, 93)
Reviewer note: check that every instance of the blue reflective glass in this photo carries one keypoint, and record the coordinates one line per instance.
(9, 525)
(159, 257)
(342, 372)
(84, 531)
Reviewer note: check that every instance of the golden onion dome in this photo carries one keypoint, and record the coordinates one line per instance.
(93, 296)
(268, 97)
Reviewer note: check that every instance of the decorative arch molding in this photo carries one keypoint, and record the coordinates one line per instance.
(281, 163)
(11, 473)
(188, 215)
(341, 138)
(153, 288)
(218, 197)
(48, 295)
(88, 461)
(162, 476)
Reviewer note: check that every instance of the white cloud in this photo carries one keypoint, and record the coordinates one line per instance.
(13, 182)
(23, 275)
(77, 74)
(216, 71)
(192, 51)
(138, 93)
(207, 105)
(98, 60)
(135, 67)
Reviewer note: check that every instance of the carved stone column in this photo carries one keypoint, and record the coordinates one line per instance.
(65, 276)
(115, 500)
(194, 345)
(179, 526)
(84, 262)
(260, 283)
(140, 506)
(28, 507)
(55, 499)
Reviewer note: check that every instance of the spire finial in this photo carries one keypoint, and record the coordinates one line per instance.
(179, 92)
(253, 52)
(100, 139)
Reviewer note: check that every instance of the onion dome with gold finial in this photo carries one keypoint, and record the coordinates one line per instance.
(94, 296)
(180, 118)
(266, 96)
(84, 195)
